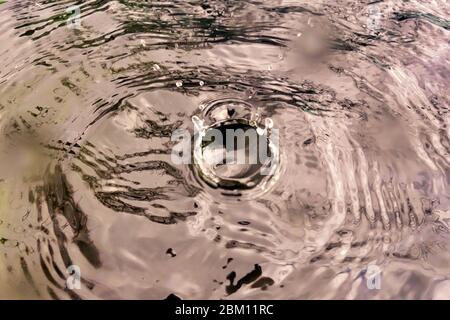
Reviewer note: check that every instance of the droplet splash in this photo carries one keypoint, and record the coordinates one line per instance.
(235, 148)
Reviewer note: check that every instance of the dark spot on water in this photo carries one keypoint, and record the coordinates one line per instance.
(228, 262)
(27, 33)
(247, 279)
(263, 283)
(308, 141)
(171, 252)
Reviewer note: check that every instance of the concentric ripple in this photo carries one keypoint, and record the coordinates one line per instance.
(344, 102)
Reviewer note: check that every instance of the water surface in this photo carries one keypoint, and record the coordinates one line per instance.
(359, 91)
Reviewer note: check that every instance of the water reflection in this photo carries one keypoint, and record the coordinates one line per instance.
(358, 91)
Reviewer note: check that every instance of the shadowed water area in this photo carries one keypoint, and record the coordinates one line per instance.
(359, 91)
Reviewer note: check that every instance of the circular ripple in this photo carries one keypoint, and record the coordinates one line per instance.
(235, 148)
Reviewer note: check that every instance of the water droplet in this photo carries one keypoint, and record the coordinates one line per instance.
(227, 164)
(260, 131)
(179, 83)
(201, 83)
(299, 35)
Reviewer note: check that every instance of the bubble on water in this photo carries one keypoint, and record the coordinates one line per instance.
(179, 83)
(201, 83)
(299, 35)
